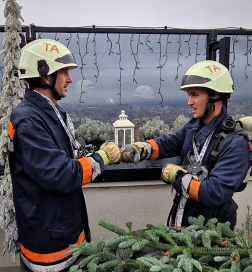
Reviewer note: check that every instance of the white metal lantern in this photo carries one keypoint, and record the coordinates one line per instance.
(124, 130)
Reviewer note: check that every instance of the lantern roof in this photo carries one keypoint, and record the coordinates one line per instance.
(123, 121)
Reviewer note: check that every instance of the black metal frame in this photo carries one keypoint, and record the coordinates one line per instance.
(213, 44)
(212, 34)
(145, 170)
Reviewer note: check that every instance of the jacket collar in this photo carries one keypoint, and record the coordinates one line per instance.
(214, 123)
(40, 102)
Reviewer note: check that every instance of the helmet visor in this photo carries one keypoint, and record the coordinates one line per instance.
(69, 58)
(191, 80)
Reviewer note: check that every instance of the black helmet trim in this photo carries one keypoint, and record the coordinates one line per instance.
(69, 58)
(193, 79)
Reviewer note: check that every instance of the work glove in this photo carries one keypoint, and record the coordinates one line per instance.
(170, 172)
(185, 184)
(97, 165)
(135, 152)
(110, 153)
(178, 177)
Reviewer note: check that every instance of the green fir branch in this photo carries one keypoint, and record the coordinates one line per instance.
(197, 248)
(112, 228)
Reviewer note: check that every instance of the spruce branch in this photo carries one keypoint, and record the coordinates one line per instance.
(200, 247)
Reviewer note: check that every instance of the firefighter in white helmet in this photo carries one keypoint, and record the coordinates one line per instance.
(204, 183)
(47, 177)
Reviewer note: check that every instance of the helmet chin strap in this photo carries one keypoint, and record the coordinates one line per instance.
(209, 105)
(52, 87)
(55, 93)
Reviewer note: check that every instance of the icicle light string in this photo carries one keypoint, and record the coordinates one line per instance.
(81, 68)
(95, 58)
(135, 55)
(196, 53)
(232, 64)
(111, 45)
(188, 44)
(69, 39)
(55, 37)
(82, 60)
(148, 41)
(248, 51)
(120, 71)
(161, 65)
(178, 55)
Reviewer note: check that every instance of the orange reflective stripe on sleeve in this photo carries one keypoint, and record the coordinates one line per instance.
(86, 169)
(51, 257)
(250, 146)
(155, 149)
(194, 189)
(11, 130)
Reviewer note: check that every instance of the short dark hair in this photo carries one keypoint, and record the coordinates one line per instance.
(223, 96)
(33, 82)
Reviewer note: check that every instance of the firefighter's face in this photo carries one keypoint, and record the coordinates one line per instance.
(198, 98)
(62, 81)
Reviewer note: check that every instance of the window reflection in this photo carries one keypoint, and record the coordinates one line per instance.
(141, 73)
(127, 136)
(121, 140)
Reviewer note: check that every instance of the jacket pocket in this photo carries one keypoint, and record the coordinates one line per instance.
(65, 226)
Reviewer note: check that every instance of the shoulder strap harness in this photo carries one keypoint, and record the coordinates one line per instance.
(229, 127)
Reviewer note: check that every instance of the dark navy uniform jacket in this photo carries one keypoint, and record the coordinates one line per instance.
(48, 198)
(207, 195)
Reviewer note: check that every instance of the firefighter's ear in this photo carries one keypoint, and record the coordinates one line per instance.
(216, 95)
(45, 80)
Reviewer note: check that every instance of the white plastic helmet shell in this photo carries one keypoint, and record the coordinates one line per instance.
(44, 57)
(208, 74)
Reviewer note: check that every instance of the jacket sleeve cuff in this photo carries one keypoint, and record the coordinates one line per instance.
(155, 149)
(86, 170)
(194, 189)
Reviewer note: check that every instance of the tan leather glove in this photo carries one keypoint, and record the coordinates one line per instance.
(110, 153)
(134, 152)
(169, 172)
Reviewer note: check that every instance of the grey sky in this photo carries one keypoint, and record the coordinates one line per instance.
(137, 13)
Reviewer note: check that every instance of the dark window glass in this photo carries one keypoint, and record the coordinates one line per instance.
(240, 67)
(139, 73)
(142, 74)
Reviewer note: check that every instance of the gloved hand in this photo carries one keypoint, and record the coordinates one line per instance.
(170, 171)
(97, 165)
(134, 152)
(110, 153)
(185, 183)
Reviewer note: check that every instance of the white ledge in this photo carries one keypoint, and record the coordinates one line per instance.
(123, 184)
(128, 183)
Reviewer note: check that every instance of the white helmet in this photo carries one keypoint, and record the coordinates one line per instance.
(44, 57)
(208, 74)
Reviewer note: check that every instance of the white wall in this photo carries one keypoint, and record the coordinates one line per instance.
(137, 13)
